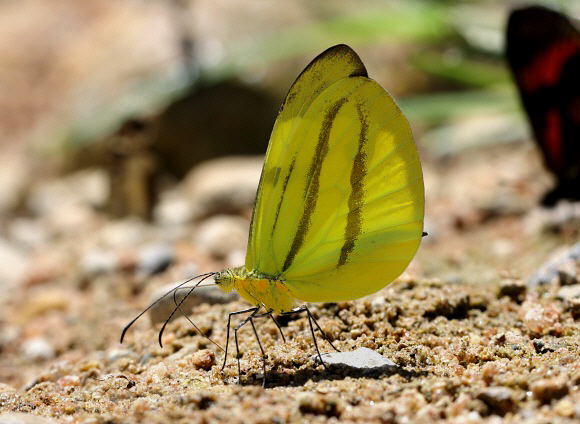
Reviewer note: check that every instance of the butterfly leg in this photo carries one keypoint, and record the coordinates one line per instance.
(253, 310)
(277, 325)
(310, 321)
(250, 318)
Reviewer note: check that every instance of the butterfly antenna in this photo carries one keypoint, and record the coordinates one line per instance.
(177, 307)
(160, 299)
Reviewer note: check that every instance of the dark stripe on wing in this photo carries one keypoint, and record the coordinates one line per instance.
(313, 182)
(253, 220)
(282, 196)
(355, 200)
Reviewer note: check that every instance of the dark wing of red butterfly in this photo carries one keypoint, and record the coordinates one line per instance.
(543, 50)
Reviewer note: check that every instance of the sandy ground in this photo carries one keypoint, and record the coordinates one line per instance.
(471, 340)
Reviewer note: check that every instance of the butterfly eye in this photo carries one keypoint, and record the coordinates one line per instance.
(223, 278)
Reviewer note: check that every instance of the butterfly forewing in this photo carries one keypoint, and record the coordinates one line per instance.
(341, 195)
(330, 66)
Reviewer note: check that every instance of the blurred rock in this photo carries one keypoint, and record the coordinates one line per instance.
(125, 233)
(97, 262)
(564, 258)
(540, 347)
(14, 263)
(236, 257)
(44, 301)
(155, 258)
(569, 292)
(513, 288)
(221, 235)
(23, 418)
(73, 219)
(116, 354)
(88, 188)
(28, 232)
(563, 218)
(38, 349)
(162, 310)
(225, 185)
(316, 404)
(565, 408)
(174, 209)
(568, 273)
(14, 176)
(548, 389)
(212, 121)
(573, 305)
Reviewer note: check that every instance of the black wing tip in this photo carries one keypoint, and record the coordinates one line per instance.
(341, 50)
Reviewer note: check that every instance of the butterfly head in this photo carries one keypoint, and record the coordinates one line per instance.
(225, 279)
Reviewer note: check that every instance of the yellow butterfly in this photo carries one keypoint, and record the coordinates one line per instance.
(340, 204)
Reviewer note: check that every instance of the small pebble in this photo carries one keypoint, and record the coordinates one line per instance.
(378, 302)
(362, 359)
(569, 292)
(317, 404)
(549, 388)
(38, 349)
(573, 306)
(174, 210)
(565, 408)
(499, 399)
(568, 274)
(548, 272)
(203, 359)
(97, 262)
(155, 258)
(541, 348)
(117, 354)
(513, 288)
(541, 320)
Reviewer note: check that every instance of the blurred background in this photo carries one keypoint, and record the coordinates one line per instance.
(132, 136)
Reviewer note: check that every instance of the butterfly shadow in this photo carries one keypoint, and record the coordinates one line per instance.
(333, 372)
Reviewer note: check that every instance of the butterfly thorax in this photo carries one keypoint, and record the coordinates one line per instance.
(260, 290)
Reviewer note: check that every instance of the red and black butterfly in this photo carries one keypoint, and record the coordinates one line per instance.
(543, 50)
